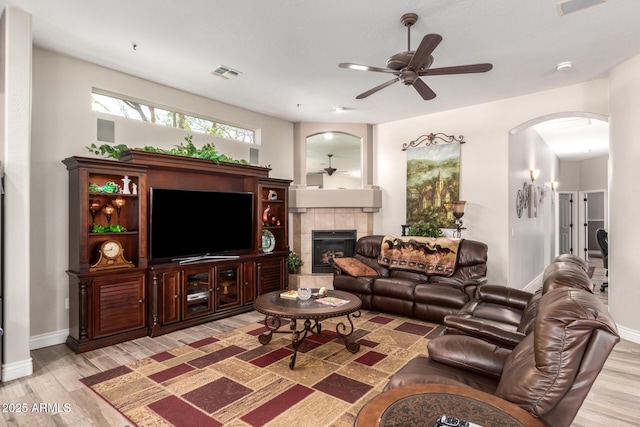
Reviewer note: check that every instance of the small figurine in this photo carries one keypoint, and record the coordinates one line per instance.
(134, 188)
(265, 215)
(126, 181)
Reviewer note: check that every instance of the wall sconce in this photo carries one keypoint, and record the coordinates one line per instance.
(534, 173)
(552, 186)
(458, 212)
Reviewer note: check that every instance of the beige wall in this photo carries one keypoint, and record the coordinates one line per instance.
(530, 238)
(624, 289)
(64, 125)
(594, 173)
(569, 179)
(584, 175)
(484, 160)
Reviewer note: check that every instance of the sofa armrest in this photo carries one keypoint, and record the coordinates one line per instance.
(337, 271)
(468, 353)
(504, 295)
(479, 328)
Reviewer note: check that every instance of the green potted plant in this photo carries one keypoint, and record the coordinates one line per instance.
(425, 229)
(294, 262)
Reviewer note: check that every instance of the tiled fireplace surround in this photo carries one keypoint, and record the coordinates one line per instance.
(323, 219)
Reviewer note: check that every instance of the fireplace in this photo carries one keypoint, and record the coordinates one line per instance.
(328, 244)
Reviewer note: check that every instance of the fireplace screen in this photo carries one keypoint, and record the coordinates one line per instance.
(328, 244)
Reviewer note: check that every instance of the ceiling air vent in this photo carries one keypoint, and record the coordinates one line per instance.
(569, 6)
(225, 72)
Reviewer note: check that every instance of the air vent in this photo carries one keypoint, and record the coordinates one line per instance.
(569, 6)
(225, 72)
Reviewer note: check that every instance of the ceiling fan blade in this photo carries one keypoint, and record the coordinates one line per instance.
(377, 88)
(427, 46)
(458, 69)
(365, 67)
(425, 91)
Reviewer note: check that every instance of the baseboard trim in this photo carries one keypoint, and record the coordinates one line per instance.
(535, 284)
(15, 370)
(629, 334)
(48, 339)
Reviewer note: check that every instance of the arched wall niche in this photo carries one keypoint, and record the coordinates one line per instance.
(366, 196)
(334, 160)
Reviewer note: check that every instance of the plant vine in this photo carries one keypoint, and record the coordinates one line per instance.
(187, 149)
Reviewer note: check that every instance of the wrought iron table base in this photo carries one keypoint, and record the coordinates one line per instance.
(273, 323)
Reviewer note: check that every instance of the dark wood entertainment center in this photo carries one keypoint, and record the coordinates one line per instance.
(123, 296)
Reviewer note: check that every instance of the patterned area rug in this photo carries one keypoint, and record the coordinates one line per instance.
(231, 379)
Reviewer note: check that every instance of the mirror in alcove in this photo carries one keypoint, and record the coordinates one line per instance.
(334, 161)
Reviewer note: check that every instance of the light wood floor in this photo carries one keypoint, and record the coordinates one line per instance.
(613, 400)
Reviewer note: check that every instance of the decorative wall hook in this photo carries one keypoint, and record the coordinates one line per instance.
(432, 139)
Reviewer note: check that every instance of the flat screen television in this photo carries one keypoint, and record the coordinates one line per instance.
(193, 223)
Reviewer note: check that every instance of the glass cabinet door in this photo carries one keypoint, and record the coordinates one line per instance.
(197, 291)
(228, 280)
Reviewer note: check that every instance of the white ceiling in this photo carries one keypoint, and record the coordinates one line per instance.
(288, 50)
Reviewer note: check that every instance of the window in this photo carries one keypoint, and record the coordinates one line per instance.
(136, 110)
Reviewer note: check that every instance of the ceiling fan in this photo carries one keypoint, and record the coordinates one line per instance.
(329, 170)
(409, 66)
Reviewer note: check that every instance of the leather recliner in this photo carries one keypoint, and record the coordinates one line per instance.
(504, 315)
(549, 373)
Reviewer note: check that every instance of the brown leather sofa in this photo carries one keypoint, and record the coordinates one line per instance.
(504, 315)
(549, 373)
(419, 295)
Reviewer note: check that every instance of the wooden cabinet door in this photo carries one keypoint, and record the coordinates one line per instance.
(171, 297)
(271, 275)
(249, 279)
(118, 304)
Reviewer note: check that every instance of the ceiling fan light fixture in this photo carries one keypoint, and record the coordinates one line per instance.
(339, 109)
(564, 66)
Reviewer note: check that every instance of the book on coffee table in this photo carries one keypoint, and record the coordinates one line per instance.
(291, 294)
(332, 301)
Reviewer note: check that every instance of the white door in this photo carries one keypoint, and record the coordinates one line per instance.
(593, 215)
(566, 218)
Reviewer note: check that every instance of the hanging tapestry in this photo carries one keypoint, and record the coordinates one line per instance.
(433, 182)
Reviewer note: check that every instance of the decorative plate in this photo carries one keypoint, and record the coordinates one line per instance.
(268, 241)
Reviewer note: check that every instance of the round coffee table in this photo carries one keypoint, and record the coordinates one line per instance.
(421, 404)
(275, 309)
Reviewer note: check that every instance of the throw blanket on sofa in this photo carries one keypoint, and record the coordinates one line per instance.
(429, 255)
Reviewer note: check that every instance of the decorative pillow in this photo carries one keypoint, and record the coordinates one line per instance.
(354, 267)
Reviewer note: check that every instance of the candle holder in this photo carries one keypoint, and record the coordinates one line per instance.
(108, 211)
(94, 205)
(119, 202)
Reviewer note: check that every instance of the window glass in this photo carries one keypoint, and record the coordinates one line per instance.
(136, 110)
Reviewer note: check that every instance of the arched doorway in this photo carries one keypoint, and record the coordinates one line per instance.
(552, 148)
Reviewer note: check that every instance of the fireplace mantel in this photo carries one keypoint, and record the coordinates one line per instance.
(302, 198)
